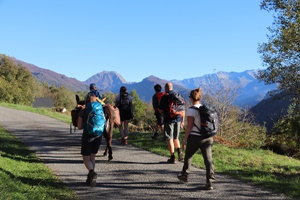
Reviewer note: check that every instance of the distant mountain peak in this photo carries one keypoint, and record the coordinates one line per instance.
(106, 80)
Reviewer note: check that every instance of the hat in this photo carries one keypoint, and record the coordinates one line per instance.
(92, 86)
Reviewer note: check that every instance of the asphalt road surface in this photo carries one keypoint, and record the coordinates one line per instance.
(132, 174)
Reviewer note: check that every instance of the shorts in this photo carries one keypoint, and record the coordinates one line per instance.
(125, 115)
(172, 130)
(88, 148)
(159, 118)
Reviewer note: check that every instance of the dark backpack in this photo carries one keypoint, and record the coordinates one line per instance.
(124, 102)
(176, 105)
(96, 120)
(209, 121)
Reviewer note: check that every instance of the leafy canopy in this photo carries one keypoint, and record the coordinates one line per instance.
(281, 54)
(17, 85)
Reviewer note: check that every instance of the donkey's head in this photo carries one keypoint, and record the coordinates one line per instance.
(78, 101)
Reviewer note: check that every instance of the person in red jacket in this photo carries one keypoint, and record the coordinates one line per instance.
(159, 116)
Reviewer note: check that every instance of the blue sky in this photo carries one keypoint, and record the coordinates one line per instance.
(170, 39)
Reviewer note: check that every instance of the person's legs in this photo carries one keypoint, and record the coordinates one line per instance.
(126, 122)
(169, 129)
(176, 133)
(157, 125)
(162, 131)
(121, 129)
(206, 149)
(88, 162)
(124, 131)
(193, 144)
(93, 160)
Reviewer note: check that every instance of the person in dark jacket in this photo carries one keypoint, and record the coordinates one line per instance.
(124, 102)
(172, 125)
(159, 116)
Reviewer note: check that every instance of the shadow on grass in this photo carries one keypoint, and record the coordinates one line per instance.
(16, 150)
(35, 181)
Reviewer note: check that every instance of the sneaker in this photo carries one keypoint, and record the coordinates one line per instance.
(180, 156)
(171, 160)
(93, 176)
(124, 141)
(182, 177)
(208, 186)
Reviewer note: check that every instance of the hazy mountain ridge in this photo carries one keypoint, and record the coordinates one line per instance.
(53, 78)
(252, 91)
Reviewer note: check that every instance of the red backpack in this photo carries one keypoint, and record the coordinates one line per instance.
(159, 96)
(176, 105)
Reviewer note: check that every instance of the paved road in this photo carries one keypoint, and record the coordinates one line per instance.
(132, 174)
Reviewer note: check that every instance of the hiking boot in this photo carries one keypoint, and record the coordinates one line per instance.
(212, 177)
(208, 185)
(93, 176)
(180, 156)
(183, 177)
(171, 160)
(88, 179)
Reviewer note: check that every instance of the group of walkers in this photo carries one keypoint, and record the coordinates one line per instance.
(169, 124)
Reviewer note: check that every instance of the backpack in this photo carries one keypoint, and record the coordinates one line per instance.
(209, 121)
(124, 102)
(176, 105)
(96, 120)
(159, 96)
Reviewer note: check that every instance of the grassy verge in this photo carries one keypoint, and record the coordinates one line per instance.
(64, 117)
(265, 168)
(24, 176)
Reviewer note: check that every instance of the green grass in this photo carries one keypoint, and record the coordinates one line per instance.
(24, 176)
(64, 117)
(261, 167)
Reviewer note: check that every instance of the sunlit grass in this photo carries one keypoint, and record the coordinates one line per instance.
(24, 176)
(261, 167)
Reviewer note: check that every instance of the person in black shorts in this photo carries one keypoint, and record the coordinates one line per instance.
(124, 102)
(159, 116)
(89, 149)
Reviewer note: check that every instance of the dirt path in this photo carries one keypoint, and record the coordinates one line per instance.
(132, 174)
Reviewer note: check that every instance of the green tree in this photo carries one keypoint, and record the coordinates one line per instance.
(138, 108)
(17, 85)
(281, 54)
(64, 98)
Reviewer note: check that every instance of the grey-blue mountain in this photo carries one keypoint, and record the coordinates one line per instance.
(251, 90)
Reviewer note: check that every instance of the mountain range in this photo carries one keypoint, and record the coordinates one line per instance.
(251, 90)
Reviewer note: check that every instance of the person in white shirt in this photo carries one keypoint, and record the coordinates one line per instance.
(193, 140)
